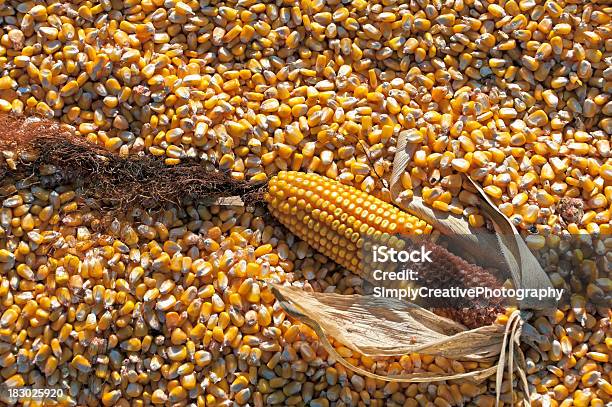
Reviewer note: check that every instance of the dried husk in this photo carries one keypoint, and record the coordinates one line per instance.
(388, 327)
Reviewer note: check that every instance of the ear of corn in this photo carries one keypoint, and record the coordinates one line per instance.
(342, 223)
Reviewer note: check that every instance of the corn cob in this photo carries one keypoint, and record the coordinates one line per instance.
(340, 221)
(334, 218)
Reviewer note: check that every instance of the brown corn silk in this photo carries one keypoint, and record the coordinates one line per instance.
(56, 156)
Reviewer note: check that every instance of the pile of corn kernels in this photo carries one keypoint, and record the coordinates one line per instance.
(169, 308)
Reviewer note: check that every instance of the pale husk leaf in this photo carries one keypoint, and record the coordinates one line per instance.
(385, 327)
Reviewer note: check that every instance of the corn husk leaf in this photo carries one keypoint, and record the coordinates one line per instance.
(524, 268)
(447, 223)
(387, 327)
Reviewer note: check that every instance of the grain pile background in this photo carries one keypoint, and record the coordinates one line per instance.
(166, 306)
